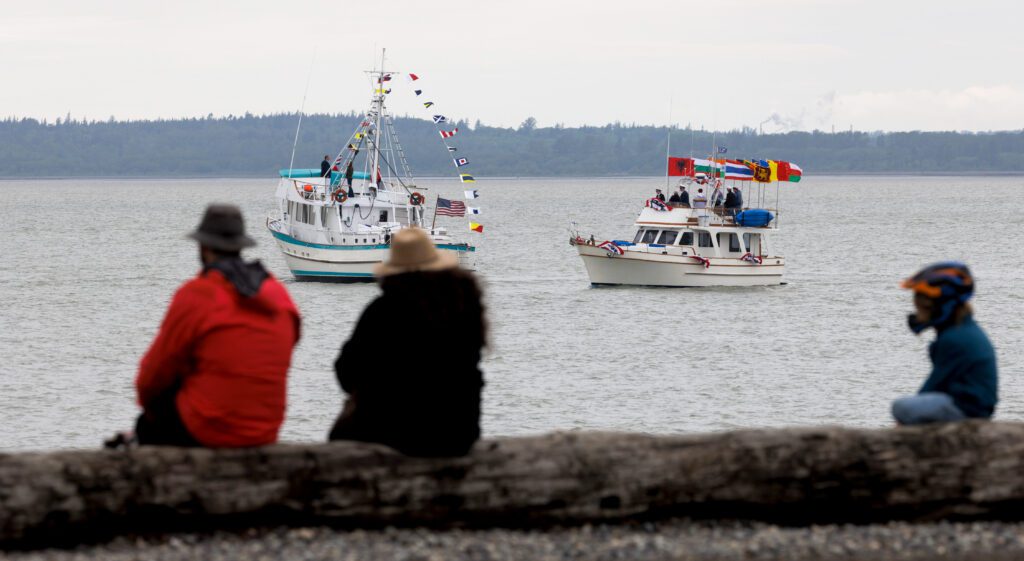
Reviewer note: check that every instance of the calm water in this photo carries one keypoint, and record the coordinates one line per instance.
(89, 267)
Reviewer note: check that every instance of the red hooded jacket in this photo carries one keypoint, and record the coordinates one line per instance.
(229, 355)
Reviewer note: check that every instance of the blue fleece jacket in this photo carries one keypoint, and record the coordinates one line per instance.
(964, 366)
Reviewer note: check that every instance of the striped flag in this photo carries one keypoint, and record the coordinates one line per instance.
(452, 149)
(428, 104)
(449, 134)
(447, 207)
(466, 178)
(610, 247)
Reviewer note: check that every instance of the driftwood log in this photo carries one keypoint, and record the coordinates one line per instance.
(971, 470)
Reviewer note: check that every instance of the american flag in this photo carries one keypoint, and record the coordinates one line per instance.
(450, 208)
(611, 247)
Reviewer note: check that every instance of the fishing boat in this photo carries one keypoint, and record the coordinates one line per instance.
(699, 243)
(337, 226)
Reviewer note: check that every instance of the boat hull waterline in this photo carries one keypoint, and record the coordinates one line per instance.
(677, 271)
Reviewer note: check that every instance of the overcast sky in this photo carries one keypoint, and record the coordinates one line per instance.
(791, 64)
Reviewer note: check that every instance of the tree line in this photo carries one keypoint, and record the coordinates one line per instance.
(257, 145)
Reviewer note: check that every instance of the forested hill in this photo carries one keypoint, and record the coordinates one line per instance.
(250, 146)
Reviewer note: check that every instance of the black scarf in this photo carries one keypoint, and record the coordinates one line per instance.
(246, 277)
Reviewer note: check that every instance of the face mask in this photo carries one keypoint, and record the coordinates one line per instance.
(916, 326)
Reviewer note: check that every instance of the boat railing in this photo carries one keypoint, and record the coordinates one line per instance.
(721, 216)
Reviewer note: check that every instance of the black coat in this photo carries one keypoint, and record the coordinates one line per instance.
(423, 398)
(660, 197)
(674, 198)
(684, 198)
(325, 168)
(730, 200)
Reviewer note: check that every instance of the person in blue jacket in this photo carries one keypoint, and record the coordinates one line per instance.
(963, 381)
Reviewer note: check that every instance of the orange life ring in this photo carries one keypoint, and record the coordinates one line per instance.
(415, 199)
(339, 196)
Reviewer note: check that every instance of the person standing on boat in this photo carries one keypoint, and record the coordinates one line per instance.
(699, 200)
(739, 197)
(659, 195)
(963, 382)
(684, 196)
(349, 172)
(216, 373)
(325, 166)
(405, 402)
(674, 199)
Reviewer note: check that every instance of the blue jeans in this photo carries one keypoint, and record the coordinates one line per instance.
(930, 407)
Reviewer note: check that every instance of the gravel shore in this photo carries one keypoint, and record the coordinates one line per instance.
(663, 541)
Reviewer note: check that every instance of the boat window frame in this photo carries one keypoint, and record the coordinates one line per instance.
(682, 239)
(639, 235)
(663, 241)
(653, 237)
(702, 236)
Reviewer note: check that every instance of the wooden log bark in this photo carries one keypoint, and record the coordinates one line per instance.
(969, 470)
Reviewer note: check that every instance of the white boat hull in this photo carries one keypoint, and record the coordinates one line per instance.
(345, 263)
(635, 268)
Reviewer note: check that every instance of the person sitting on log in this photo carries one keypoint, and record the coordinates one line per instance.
(423, 399)
(216, 373)
(963, 380)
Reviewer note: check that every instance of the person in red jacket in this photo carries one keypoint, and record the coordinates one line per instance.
(216, 374)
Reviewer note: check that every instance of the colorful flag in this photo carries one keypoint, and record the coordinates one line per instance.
(473, 210)
(459, 162)
(412, 77)
(735, 169)
(385, 78)
(447, 207)
(680, 167)
(722, 149)
(358, 135)
(449, 134)
(610, 247)
(427, 105)
(466, 178)
(452, 149)
(795, 173)
(418, 92)
(440, 119)
(476, 227)
(472, 194)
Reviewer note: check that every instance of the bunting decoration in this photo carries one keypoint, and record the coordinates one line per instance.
(445, 207)
(751, 258)
(704, 260)
(656, 204)
(611, 247)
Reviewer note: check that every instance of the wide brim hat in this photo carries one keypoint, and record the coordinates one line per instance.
(413, 251)
(223, 229)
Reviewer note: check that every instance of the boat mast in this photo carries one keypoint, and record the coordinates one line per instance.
(379, 111)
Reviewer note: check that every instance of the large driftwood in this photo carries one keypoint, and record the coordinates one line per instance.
(967, 470)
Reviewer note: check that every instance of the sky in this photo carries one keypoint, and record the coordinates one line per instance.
(778, 65)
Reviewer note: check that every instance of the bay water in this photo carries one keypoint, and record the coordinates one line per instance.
(87, 268)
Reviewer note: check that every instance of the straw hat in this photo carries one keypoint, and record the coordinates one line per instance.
(412, 250)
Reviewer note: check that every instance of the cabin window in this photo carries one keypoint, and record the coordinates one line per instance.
(734, 241)
(668, 237)
(636, 238)
(649, 236)
(751, 240)
(383, 216)
(686, 238)
(323, 216)
(704, 239)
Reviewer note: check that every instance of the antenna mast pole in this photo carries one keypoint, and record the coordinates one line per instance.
(668, 143)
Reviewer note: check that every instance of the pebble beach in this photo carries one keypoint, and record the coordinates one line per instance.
(671, 540)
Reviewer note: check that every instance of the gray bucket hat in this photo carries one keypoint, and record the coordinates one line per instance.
(222, 229)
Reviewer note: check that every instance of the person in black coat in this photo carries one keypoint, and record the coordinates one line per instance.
(325, 167)
(674, 198)
(659, 195)
(422, 399)
(730, 200)
(684, 196)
